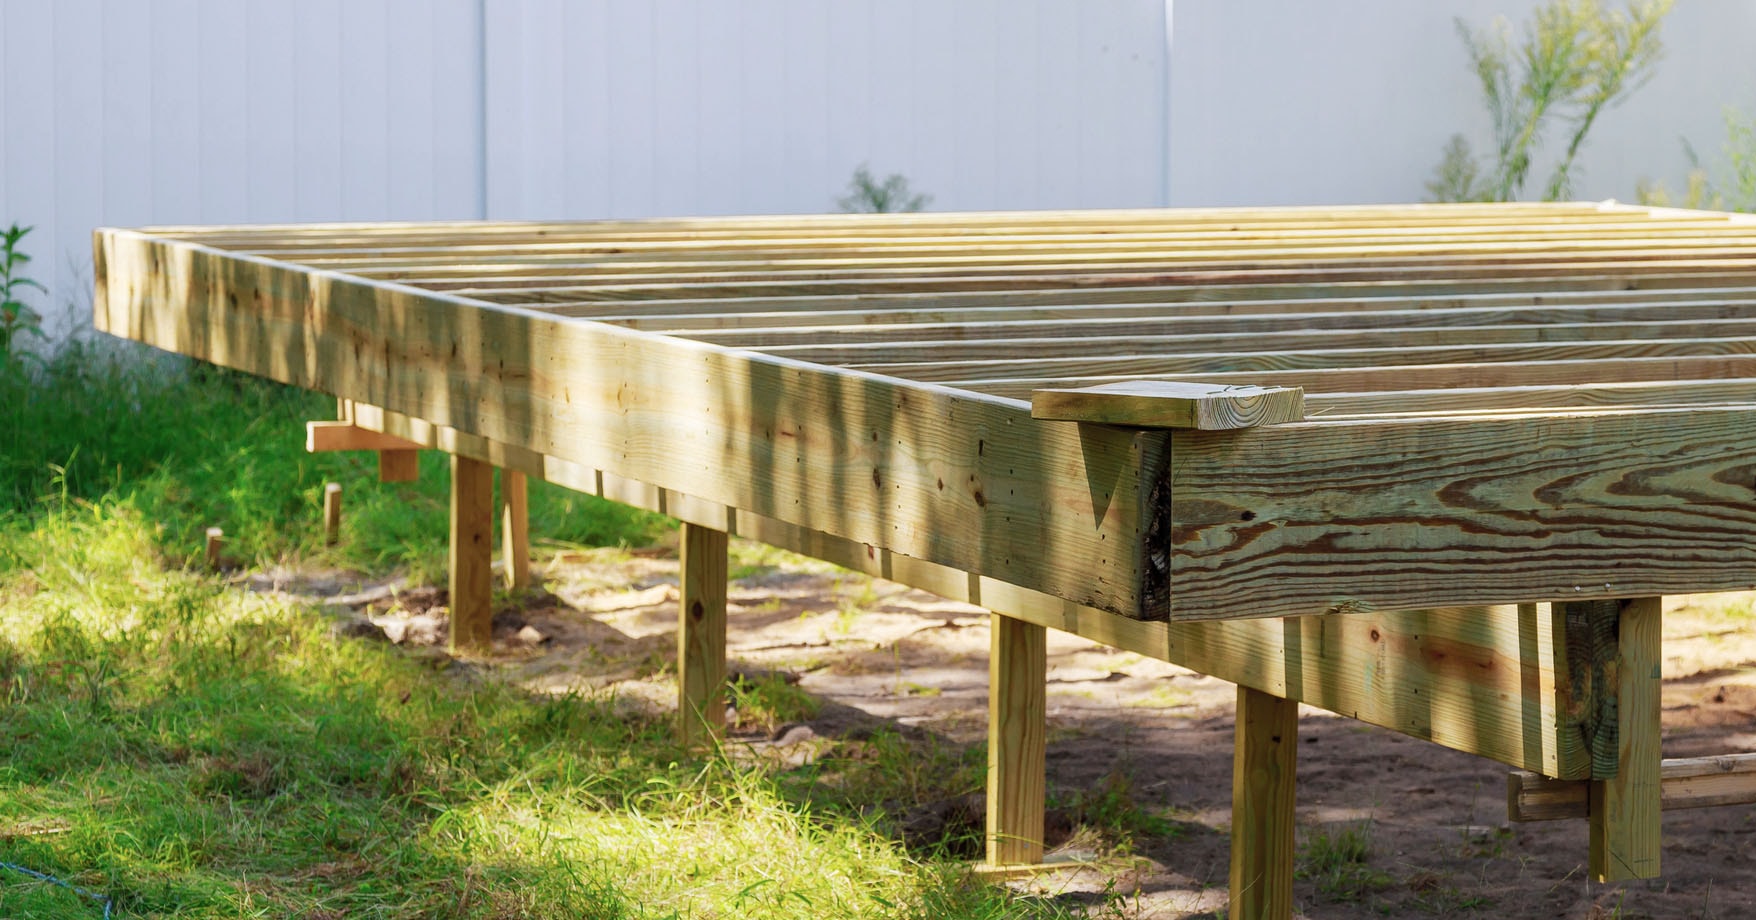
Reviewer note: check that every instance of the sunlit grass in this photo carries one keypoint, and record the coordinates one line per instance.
(195, 751)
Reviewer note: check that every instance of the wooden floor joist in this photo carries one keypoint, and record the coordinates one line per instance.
(1513, 415)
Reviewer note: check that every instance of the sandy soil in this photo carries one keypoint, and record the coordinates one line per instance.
(1434, 820)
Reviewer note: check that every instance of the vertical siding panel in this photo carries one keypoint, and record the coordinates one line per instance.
(504, 50)
(1058, 107)
(1017, 86)
(271, 135)
(763, 105)
(224, 112)
(364, 76)
(317, 68)
(79, 151)
(849, 89)
(580, 182)
(456, 145)
(806, 138)
(676, 107)
(1119, 106)
(30, 144)
(720, 78)
(546, 109)
(174, 150)
(127, 112)
(626, 35)
(410, 186)
(893, 110)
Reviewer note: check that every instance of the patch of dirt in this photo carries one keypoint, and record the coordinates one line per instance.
(1433, 821)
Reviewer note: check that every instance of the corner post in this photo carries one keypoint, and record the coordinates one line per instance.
(471, 555)
(1625, 806)
(701, 635)
(1264, 764)
(1017, 688)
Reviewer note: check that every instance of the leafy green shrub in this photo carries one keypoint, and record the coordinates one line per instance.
(1731, 187)
(16, 317)
(870, 195)
(1574, 60)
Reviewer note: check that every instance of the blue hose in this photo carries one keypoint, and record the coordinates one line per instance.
(108, 902)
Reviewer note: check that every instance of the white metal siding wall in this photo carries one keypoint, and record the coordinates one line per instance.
(637, 108)
(128, 112)
(1292, 102)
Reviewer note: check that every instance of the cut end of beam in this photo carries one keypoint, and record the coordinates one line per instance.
(1172, 404)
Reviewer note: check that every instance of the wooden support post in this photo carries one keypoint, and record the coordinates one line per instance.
(216, 544)
(1626, 807)
(701, 635)
(399, 465)
(1264, 764)
(332, 513)
(1017, 688)
(515, 529)
(472, 555)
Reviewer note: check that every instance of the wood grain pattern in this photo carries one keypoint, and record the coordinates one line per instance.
(1684, 782)
(327, 435)
(399, 465)
(1625, 808)
(1307, 518)
(1488, 681)
(1264, 768)
(1166, 404)
(967, 481)
(701, 636)
(1017, 735)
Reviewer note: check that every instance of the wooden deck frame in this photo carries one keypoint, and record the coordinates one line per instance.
(1485, 388)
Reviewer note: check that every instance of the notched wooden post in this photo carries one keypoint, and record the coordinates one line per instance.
(1171, 404)
(1264, 766)
(1017, 689)
(1614, 654)
(701, 635)
(472, 555)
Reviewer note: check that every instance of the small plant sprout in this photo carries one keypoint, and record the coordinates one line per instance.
(16, 317)
(870, 195)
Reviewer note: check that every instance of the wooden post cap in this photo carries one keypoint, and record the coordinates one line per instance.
(1172, 404)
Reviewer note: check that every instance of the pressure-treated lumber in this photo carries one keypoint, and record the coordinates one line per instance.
(1017, 737)
(1264, 767)
(342, 435)
(471, 580)
(399, 465)
(1684, 782)
(1490, 681)
(1393, 514)
(1166, 404)
(515, 530)
(1001, 490)
(701, 635)
(1625, 808)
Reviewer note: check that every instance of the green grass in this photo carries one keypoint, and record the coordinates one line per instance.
(198, 752)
